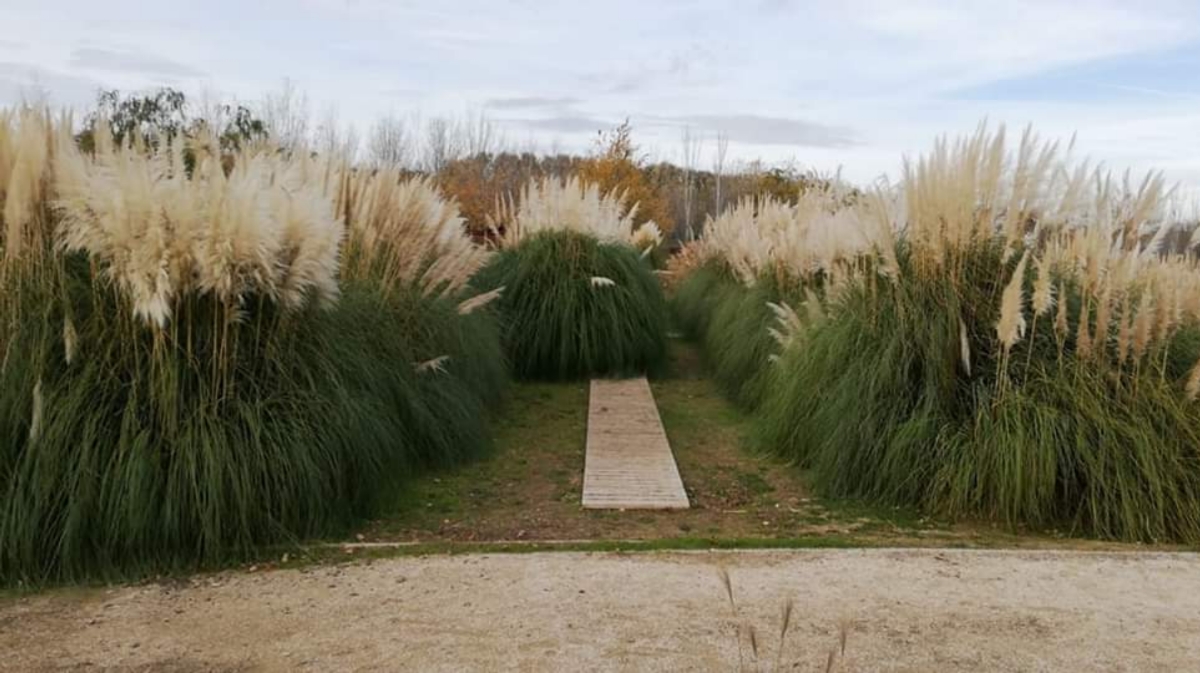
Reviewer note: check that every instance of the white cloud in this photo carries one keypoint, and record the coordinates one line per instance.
(138, 63)
(856, 83)
(26, 82)
(532, 102)
(564, 124)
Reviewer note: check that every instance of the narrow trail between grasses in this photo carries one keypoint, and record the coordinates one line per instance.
(903, 610)
(628, 462)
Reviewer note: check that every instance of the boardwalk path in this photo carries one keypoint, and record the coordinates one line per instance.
(629, 463)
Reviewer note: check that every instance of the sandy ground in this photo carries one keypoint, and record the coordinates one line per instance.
(907, 611)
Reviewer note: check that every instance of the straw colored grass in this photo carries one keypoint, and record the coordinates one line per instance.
(761, 257)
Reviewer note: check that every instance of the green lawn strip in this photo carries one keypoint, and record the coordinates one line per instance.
(352, 553)
(538, 451)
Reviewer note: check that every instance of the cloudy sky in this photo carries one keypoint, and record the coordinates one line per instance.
(853, 83)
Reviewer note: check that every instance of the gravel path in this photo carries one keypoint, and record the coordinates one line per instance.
(907, 611)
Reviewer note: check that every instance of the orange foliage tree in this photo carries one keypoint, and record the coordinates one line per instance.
(480, 182)
(471, 182)
(616, 167)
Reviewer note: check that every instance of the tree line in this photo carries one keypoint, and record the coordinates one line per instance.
(467, 158)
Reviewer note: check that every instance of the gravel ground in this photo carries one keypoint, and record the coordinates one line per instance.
(902, 610)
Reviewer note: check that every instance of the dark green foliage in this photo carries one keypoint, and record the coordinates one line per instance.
(732, 320)
(694, 300)
(558, 324)
(442, 410)
(163, 115)
(878, 403)
(172, 449)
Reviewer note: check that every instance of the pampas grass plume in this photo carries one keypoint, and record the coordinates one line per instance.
(1010, 328)
(1043, 289)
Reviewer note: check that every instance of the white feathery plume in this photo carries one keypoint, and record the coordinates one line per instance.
(964, 346)
(646, 237)
(1083, 337)
(437, 365)
(1043, 289)
(35, 421)
(568, 205)
(472, 304)
(1010, 328)
(1192, 388)
(262, 228)
(402, 233)
(1061, 321)
(70, 339)
(1143, 326)
(789, 323)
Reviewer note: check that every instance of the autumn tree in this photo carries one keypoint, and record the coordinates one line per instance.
(477, 183)
(616, 167)
(480, 182)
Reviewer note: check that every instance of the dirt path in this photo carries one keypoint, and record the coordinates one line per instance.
(909, 611)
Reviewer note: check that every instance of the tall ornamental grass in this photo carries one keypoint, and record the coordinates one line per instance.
(409, 265)
(1021, 347)
(734, 324)
(756, 260)
(1024, 363)
(186, 373)
(578, 295)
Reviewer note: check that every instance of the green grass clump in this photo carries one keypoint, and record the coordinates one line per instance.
(437, 372)
(731, 321)
(151, 451)
(562, 317)
(193, 365)
(878, 401)
(164, 450)
(1003, 336)
(695, 298)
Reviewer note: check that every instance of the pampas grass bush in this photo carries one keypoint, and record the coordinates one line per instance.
(1008, 339)
(1027, 359)
(579, 297)
(734, 324)
(167, 392)
(409, 263)
(756, 260)
(189, 373)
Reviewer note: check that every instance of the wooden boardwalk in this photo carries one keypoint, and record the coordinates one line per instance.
(629, 464)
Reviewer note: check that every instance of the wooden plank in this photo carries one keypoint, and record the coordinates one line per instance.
(628, 464)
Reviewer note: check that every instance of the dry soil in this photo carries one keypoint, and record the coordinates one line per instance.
(904, 610)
